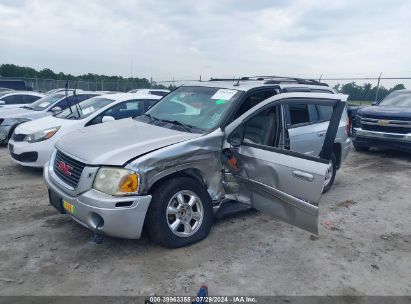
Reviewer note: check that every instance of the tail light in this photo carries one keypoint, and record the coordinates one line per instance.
(347, 126)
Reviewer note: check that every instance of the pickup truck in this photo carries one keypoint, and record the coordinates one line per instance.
(386, 124)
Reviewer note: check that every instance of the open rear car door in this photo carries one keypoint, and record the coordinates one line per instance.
(260, 170)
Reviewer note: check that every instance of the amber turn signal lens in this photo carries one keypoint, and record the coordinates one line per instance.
(128, 183)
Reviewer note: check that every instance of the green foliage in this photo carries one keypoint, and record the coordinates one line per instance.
(366, 91)
(12, 70)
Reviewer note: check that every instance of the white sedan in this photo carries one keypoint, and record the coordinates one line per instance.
(14, 99)
(32, 142)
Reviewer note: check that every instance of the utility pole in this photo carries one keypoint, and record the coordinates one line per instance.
(378, 88)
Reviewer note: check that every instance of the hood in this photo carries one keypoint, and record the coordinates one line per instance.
(44, 123)
(115, 143)
(386, 112)
(9, 112)
(16, 113)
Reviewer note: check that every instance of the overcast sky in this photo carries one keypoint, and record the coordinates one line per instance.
(185, 39)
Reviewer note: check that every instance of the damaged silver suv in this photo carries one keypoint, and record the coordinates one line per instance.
(202, 147)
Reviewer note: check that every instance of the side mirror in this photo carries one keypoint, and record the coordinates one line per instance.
(107, 119)
(56, 110)
(236, 138)
(2, 102)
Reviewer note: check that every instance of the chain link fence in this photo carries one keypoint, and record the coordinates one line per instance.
(125, 85)
(44, 85)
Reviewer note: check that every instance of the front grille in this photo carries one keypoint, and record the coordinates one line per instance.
(68, 169)
(18, 137)
(25, 157)
(387, 129)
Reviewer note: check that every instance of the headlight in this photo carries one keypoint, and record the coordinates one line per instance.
(116, 181)
(41, 135)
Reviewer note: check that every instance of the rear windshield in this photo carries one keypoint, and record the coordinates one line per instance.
(397, 99)
(85, 108)
(45, 102)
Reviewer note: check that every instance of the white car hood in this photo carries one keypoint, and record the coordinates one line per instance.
(11, 112)
(44, 123)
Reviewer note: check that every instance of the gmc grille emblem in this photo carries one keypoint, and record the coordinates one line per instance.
(65, 168)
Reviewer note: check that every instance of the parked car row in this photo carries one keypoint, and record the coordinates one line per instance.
(116, 163)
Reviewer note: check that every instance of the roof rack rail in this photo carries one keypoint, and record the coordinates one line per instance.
(274, 80)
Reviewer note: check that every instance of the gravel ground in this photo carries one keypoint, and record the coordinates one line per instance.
(364, 247)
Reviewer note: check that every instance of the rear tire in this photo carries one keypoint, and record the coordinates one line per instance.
(360, 148)
(180, 213)
(331, 172)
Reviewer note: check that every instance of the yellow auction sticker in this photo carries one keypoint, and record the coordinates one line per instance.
(69, 207)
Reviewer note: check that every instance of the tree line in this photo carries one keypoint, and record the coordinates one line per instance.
(366, 91)
(12, 70)
(356, 92)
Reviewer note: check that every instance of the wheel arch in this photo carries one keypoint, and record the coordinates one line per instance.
(193, 173)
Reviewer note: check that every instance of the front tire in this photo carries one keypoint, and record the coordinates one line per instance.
(180, 213)
(330, 175)
(360, 148)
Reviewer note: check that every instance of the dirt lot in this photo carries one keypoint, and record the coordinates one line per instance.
(364, 247)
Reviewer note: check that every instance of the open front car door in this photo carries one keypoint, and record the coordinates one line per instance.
(260, 170)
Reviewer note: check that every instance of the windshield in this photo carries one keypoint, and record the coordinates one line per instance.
(397, 99)
(45, 102)
(200, 108)
(86, 108)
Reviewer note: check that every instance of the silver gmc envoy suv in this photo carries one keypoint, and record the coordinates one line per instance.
(267, 143)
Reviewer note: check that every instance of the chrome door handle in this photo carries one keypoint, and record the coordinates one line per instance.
(303, 175)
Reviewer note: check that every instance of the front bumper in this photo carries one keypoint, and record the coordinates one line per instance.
(30, 154)
(4, 134)
(103, 213)
(397, 141)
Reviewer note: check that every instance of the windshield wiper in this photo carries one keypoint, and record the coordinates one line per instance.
(174, 122)
(27, 107)
(179, 123)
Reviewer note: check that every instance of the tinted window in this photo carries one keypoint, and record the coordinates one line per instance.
(131, 108)
(325, 112)
(299, 114)
(159, 93)
(13, 99)
(321, 91)
(30, 98)
(253, 100)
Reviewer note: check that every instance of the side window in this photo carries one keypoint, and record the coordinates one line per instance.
(325, 112)
(263, 128)
(63, 104)
(149, 103)
(126, 109)
(13, 99)
(131, 108)
(298, 114)
(254, 99)
(30, 98)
